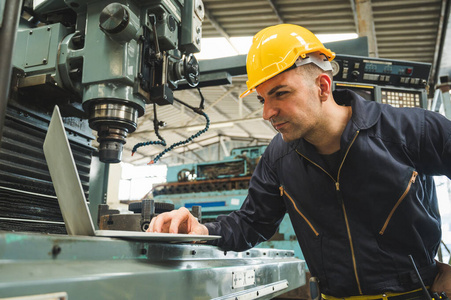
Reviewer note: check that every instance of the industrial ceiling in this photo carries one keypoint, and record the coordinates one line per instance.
(409, 30)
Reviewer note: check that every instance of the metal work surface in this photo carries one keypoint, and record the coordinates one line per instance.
(154, 236)
(105, 268)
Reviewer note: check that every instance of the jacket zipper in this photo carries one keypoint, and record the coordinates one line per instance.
(340, 200)
(411, 181)
(283, 191)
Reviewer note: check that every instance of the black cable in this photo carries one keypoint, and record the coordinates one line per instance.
(197, 134)
(423, 287)
(202, 99)
(156, 123)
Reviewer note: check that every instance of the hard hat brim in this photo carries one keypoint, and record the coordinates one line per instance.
(247, 93)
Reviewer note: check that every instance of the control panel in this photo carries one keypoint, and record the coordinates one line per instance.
(401, 98)
(394, 82)
(347, 68)
(395, 96)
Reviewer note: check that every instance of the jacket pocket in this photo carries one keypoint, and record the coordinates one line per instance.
(412, 180)
(284, 192)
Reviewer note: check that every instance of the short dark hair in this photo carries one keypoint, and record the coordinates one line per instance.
(313, 70)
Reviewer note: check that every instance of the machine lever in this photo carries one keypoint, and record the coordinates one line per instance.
(153, 21)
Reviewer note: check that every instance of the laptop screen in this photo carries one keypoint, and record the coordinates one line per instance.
(66, 181)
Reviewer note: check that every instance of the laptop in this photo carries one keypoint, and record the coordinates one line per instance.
(71, 197)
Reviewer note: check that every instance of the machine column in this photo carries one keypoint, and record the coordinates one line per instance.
(8, 27)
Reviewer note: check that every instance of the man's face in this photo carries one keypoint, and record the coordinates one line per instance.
(291, 104)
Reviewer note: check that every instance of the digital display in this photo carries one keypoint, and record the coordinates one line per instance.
(387, 68)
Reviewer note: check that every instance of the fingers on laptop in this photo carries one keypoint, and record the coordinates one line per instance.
(176, 221)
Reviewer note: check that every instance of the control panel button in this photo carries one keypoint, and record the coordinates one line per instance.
(399, 98)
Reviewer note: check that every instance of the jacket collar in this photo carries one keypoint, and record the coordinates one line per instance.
(365, 114)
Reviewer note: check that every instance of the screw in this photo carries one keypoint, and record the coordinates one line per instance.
(56, 250)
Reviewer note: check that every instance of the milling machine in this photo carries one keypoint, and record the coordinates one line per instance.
(111, 58)
(103, 63)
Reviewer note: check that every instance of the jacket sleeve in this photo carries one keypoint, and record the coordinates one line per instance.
(259, 216)
(435, 148)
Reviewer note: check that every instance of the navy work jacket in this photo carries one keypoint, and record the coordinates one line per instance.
(358, 228)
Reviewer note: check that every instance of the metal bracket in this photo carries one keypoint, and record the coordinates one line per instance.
(147, 213)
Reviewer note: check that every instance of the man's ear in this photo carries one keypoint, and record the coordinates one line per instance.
(325, 85)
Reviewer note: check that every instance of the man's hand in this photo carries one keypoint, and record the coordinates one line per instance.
(177, 221)
(442, 282)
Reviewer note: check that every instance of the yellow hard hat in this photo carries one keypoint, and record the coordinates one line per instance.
(276, 48)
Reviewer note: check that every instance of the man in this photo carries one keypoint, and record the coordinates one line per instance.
(354, 176)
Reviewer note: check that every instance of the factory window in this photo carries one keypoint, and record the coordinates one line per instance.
(137, 181)
(221, 47)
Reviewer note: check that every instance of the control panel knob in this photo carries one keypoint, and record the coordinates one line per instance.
(355, 74)
(191, 67)
(114, 18)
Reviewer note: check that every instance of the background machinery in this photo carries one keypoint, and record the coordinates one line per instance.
(220, 187)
